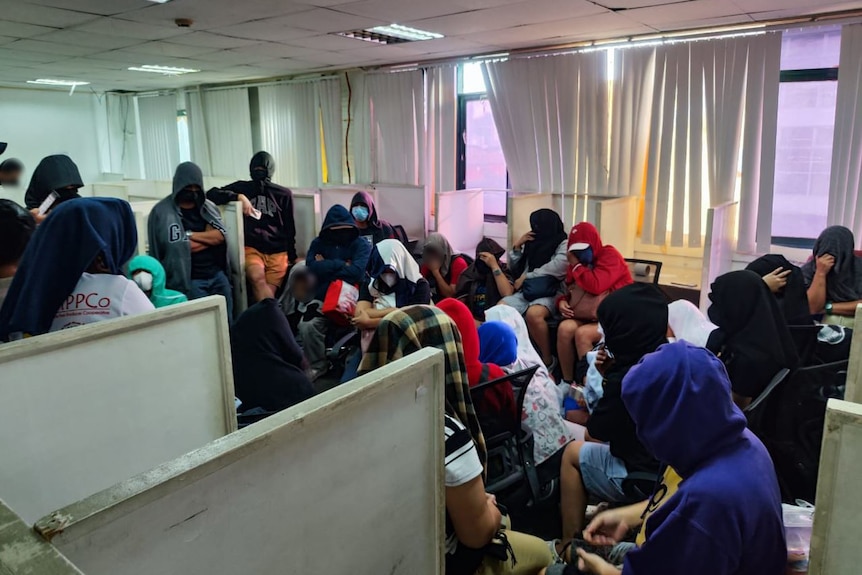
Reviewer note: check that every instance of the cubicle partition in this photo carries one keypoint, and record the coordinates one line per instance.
(350, 481)
(521, 205)
(142, 209)
(719, 246)
(617, 222)
(461, 218)
(84, 408)
(406, 206)
(342, 195)
(235, 228)
(307, 217)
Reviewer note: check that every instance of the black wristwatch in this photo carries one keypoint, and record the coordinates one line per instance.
(828, 308)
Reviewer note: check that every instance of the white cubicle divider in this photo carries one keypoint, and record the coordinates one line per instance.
(719, 247)
(835, 545)
(307, 217)
(406, 206)
(617, 222)
(142, 209)
(342, 195)
(350, 481)
(854, 370)
(461, 218)
(521, 205)
(84, 408)
(235, 226)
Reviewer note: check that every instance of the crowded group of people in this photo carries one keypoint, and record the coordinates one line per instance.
(635, 401)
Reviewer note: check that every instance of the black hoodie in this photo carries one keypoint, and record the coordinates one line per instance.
(53, 173)
(275, 231)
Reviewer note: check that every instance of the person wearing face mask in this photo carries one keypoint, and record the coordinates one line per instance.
(270, 230)
(337, 253)
(486, 281)
(149, 274)
(187, 236)
(597, 270)
(371, 227)
(55, 180)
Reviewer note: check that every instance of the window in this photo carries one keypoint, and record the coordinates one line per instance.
(806, 125)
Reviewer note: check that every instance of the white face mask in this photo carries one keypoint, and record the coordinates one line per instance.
(389, 278)
(144, 281)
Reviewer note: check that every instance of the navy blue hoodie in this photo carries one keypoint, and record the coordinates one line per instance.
(345, 253)
(725, 518)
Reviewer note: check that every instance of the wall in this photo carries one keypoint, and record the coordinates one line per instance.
(38, 123)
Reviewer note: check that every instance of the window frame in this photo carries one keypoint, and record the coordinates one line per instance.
(461, 143)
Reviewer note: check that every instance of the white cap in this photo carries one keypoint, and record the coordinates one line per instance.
(578, 247)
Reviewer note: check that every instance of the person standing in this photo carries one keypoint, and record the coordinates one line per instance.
(270, 229)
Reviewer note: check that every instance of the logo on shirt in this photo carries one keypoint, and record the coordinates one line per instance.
(176, 233)
(93, 300)
(266, 205)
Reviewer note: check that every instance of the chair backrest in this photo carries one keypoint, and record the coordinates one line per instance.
(644, 271)
(805, 340)
(519, 382)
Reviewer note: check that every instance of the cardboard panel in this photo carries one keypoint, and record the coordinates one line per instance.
(350, 481)
(617, 223)
(84, 408)
(461, 218)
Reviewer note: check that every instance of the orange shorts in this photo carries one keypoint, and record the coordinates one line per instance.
(274, 265)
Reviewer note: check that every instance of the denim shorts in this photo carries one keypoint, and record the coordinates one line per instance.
(602, 473)
(521, 304)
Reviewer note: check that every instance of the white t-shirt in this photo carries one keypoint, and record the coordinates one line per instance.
(462, 465)
(98, 297)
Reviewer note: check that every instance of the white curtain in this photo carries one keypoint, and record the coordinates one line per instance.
(360, 155)
(551, 115)
(220, 131)
(441, 96)
(290, 131)
(845, 186)
(121, 141)
(159, 136)
(397, 107)
(329, 96)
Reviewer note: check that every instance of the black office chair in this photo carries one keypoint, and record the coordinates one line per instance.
(648, 274)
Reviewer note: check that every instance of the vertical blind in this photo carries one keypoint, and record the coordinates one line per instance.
(290, 131)
(396, 103)
(220, 131)
(442, 104)
(159, 136)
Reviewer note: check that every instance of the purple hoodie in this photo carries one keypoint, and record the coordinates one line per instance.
(725, 519)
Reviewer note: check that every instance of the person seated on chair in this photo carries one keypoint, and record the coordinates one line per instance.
(188, 238)
(596, 270)
(498, 401)
(499, 344)
(16, 228)
(268, 365)
(10, 172)
(441, 267)
(270, 230)
(71, 273)
(539, 263)
(337, 253)
(371, 227)
(56, 175)
(686, 322)
(718, 507)
(834, 277)
(634, 321)
(486, 281)
(297, 299)
(787, 283)
(478, 538)
(752, 338)
(149, 274)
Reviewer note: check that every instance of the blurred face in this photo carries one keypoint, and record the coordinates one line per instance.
(301, 288)
(189, 195)
(430, 254)
(11, 178)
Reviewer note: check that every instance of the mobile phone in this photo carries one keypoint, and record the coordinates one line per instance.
(255, 213)
(49, 201)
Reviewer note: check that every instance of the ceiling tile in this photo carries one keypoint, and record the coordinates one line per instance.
(665, 17)
(630, 4)
(105, 8)
(129, 29)
(269, 50)
(18, 30)
(214, 13)
(328, 42)
(797, 7)
(211, 40)
(273, 30)
(170, 49)
(88, 39)
(328, 20)
(43, 15)
(231, 57)
(65, 50)
(8, 56)
(434, 47)
(323, 3)
(603, 26)
(405, 10)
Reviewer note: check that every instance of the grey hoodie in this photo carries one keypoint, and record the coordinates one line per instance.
(168, 241)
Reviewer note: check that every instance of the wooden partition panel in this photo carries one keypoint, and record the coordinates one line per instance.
(461, 218)
(617, 221)
(835, 548)
(719, 247)
(84, 408)
(350, 481)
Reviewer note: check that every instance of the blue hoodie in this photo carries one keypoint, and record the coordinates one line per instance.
(337, 248)
(725, 518)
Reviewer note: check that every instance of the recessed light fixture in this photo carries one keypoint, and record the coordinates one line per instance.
(393, 34)
(64, 83)
(165, 70)
(160, 1)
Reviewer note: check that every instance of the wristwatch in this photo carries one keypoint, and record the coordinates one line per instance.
(828, 308)
(189, 234)
(498, 272)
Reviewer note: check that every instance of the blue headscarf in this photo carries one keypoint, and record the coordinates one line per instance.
(61, 250)
(498, 343)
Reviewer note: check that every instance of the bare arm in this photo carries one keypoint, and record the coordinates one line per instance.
(847, 308)
(817, 289)
(504, 286)
(443, 287)
(474, 514)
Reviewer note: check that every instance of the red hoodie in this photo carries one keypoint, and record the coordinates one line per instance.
(609, 270)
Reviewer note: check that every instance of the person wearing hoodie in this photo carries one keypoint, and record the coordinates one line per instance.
(149, 274)
(337, 253)
(16, 228)
(833, 277)
(597, 270)
(718, 507)
(188, 238)
(270, 230)
(55, 180)
(486, 281)
(371, 227)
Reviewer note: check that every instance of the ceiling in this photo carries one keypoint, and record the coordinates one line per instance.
(232, 40)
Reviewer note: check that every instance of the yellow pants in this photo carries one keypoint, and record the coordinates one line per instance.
(531, 554)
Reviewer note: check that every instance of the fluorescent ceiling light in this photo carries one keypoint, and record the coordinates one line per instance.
(160, 1)
(405, 32)
(166, 70)
(65, 83)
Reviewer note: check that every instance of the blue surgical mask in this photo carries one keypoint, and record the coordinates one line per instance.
(360, 213)
(585, 256)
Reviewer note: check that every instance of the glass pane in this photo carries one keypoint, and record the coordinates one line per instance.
(485, 163)
(806, 122)
(807, 48)
(472, 80)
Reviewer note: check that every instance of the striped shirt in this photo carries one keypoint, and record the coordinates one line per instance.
(462, 466)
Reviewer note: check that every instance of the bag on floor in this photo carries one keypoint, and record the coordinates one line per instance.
(340, 302)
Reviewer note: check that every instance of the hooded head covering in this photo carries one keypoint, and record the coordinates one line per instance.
(549, 233)
(268, 364)
(63, 248)
(3, 147)
(406, 331)
(844, 282)
(793, 299)
(490, 246)
(526, 352)
(53, 173)
(585, 236)
(438, 243)
(188, 174)
(159, 295)
(688, 323)
(262, 167)
(634, 320)
(679, 399)
(498, 343)
(392, 256)
(363, 198)
(752, 335)
(338, 216)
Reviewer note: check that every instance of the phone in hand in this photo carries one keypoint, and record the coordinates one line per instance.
(49, 201)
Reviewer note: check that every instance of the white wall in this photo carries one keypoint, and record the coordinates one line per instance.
(38, 123)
